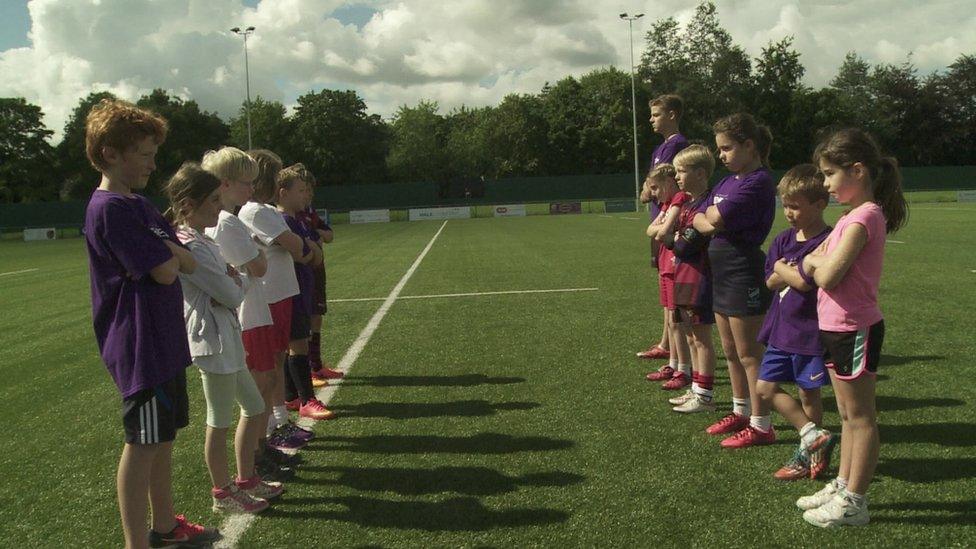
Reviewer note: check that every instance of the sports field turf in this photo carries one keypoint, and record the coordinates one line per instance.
(504, 420)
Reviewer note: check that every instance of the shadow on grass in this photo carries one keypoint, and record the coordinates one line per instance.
(925, 470)
(466, 380)
(945, 434)
(948, 513)
(469, 481)
(896, 360)
(896, 403)
(462, 514)
(412, 410)
(484, 443)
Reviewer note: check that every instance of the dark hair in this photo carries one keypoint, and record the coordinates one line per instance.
(846, 147)
(191, 182)
(669, 102)
(743, 127)
(269, 164)
(804, 180)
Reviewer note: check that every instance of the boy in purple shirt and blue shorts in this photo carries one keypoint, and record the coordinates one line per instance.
(137, 313)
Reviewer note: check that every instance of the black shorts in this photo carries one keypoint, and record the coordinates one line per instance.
(319, 305)
(152, 416)
(852, 354)
(301, 324)
(738, 280)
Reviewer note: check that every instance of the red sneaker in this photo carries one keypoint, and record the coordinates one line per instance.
(750, 436)
(728, 424)
(677, 382)
(820, 458)
(327, 373)
(293, 405)
(665, 373)
(314, 409)
(654, 352)
(195, 533)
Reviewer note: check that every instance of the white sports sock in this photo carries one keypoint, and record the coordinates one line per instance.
(704, 394)
(763, 423)
(808, 434)
(673, 363)
(685, 369)
(272, 424)
(741, 406)
(280, 415)
(858, 499)
(840, 483)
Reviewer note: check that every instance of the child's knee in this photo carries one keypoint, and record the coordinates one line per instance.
(766, 390)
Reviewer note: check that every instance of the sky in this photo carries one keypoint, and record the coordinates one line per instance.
(397, 52)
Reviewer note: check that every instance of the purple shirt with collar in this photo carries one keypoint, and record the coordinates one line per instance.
(664, 154)
(747, 205)
(791, 322)
(138, 322)
(303, 302)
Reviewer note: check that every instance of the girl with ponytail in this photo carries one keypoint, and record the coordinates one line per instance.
(847, 270)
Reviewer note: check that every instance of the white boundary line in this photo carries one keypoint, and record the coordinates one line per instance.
(472, 294)
(19, 272)
(895, 241)
(236, 525)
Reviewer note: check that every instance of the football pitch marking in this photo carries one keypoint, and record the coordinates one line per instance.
(471, 294)
(895, 241)
(236, 525)
(19, 272)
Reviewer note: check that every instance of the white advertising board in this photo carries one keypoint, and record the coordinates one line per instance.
(40, 234)
(369, 216)
(457, 212)
(511, 210)
(966, 196)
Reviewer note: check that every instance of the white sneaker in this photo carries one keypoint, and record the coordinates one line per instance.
(265, 490)
(233, 500)
(695, 404)
(839, 511)
(825, 494)
(683, 398)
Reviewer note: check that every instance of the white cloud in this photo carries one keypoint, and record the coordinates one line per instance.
(470, 52)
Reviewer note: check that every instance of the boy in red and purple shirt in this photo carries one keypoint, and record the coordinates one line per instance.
(137, 314)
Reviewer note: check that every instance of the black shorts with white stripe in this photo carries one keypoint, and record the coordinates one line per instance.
(152, 416)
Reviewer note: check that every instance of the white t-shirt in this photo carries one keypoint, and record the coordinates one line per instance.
(266, 224)
(237, 248)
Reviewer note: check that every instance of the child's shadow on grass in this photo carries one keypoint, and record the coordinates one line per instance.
(484, 443)
(926, 470)
(934, 513)
(470, 481)
(944, 434)
(412, 410)
(465, 380)
(460, 514)
(889, 403)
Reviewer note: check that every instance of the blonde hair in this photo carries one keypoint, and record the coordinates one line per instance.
(269, 164)
(662, 171)
(230, 163)
(292, 174)
(120, 125)
(804, 180)
(696, 157)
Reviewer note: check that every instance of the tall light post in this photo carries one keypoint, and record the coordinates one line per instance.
(247, 80)
(633, 101)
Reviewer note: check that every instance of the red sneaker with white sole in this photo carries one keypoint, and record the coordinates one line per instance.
(750, 436)
(678, 381)
(731, 423)
(655, 351)
(665, 373)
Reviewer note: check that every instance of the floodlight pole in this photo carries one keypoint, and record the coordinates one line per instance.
(633, 101)
(247, 80)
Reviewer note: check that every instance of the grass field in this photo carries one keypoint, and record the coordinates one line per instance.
(504, 420)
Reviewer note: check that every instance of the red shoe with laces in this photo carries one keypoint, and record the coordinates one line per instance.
(665, 373)
(328, 373)
(293, 405)
(655, 351)
(314, 409)
(678, 381)
(750, 436)
(731, 423)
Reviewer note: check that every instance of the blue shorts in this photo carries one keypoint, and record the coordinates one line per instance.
(806, 371)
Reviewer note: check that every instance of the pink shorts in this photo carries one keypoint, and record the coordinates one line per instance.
(666, 283)
(260, 347)
(281, 319)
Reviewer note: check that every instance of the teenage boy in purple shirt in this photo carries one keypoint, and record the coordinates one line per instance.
(137, 313)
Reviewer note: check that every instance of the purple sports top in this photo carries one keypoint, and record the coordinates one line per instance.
(747, 206)
(306, 276)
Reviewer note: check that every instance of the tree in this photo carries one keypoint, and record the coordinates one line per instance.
(270, 127)
(956, 93)
(565, 117)
(26, 158)
(853, 91)
(469, 154)
(77, 176)
(518, 137)
(418, 138)
(337, 140)
(778, 85)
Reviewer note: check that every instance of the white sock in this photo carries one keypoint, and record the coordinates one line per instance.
(704, 394)
(673, 363)
(741, 406)
(808, 434)
(840, 483)
(858, 499)
(280, 415)
(272, 424)
(685, 369)
(763, 423)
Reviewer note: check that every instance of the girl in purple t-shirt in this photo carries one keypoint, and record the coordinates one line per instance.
(739, 212)
(847, 269)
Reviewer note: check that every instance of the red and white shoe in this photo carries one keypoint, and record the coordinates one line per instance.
(678, 381)
(666, 372)
(731, 423)
(314, 409)
(655, 351)
(750, 436)
(327, 373)
(293, 405)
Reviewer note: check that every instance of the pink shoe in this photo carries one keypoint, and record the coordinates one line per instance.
(327, 373)
(750, 436)
(293, 405)
(728, 424)
(678, 381)
(666, 372)
(314, 409)
(655, 351)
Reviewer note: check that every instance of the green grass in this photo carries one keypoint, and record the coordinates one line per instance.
(511, 420)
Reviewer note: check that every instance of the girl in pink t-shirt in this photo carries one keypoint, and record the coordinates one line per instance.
(847, 269)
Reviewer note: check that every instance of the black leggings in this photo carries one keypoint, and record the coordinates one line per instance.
(298, 378)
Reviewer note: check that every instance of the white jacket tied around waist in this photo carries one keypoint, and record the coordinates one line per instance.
(210, 299)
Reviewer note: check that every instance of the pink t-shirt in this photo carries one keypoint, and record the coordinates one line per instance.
(853, 304)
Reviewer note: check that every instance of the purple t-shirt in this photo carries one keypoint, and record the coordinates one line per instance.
(138, 322)
(664, 154)
(791, 322)
(747, 206)
(303, 302)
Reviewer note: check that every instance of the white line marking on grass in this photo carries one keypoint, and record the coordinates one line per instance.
(472, 294)
(631, 218)
(235, 526)
(895, 241)
(19, 272)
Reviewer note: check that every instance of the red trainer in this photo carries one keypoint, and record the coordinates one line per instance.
(728, 424)
(750, 436)
(665, 373)
(654, 352)
(314, 409)
(328, 373)
(293, 405)
(677, 382)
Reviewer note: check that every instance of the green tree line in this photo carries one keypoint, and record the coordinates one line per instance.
(572, 126)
